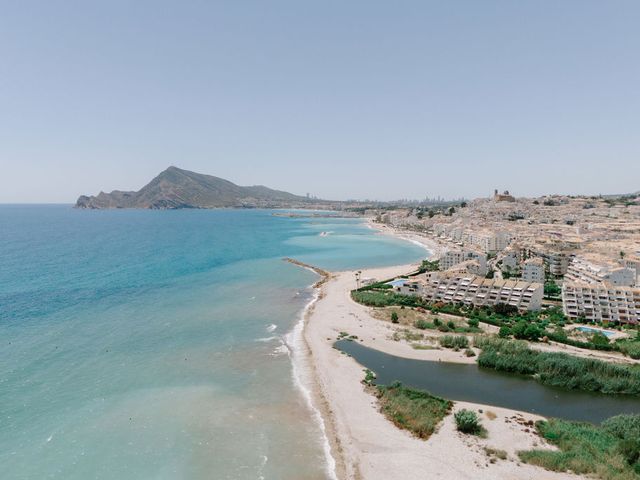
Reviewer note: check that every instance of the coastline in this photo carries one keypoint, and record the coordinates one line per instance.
(362, 442)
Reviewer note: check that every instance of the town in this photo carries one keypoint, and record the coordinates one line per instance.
(582, 253)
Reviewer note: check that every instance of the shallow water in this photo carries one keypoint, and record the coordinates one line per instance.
(149, 344)
(472, 384)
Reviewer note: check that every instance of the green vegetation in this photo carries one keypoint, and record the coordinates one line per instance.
(551, 289)
(369, 377)
(558, 369)
(394, 317)
(467, 422)
(530, 326)
(609, 452)
(411, 409)
(429, 266)
(424, 325)
(456, 342)
(373, 298)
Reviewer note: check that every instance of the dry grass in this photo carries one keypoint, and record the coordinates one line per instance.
(494, 453)
(490, 415)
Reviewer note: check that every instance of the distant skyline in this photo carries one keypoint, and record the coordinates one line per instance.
(341, 100)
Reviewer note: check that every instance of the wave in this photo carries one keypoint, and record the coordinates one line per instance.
(271, 328)
(294, 344)
(268, 339)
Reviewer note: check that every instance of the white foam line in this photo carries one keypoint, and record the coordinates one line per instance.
(416, 242)
(294, 340)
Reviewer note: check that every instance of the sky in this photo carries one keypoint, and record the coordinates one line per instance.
(340, 99)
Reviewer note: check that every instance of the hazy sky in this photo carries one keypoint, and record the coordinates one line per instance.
(342, 99)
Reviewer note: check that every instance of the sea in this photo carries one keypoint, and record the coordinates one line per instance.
(142, 344)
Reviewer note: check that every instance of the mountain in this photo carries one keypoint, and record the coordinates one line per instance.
(176, 188)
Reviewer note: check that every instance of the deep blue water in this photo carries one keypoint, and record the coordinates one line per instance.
(148, 344)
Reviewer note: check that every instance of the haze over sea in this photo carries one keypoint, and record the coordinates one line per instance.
(149, 344)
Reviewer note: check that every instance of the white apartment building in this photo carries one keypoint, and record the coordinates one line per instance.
(583, 270)
(474, 290)
(634, 263)
(601, 302)
(489, 242)
(510, 261)
(533, 270)
(452, 258)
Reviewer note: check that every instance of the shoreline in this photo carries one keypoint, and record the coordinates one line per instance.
(363, 443)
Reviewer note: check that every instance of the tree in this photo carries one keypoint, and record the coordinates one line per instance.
(532, 332)
(452, 210)
(504, 332)
(551, 289)
(518, 329)
(505, 309)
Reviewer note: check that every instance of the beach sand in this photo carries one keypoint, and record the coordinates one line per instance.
(364, 444)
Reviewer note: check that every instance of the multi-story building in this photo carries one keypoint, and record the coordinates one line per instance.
(510, 261)
(583, 270)
(556, 262)
(454, 257)
(601, 302)
(488, 241)
(533, 270)
(474, 290)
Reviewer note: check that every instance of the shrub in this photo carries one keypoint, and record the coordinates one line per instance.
(504, 332)
(451, 325)
(467, 422)
(473, 322)
(437, 322)
(369, 377)
(630, 348)
(623, 426)
(450, 341)
(585, 449)
(469, 353)
(394, 317)
(411, 409)
(422, 324)
(599, 339)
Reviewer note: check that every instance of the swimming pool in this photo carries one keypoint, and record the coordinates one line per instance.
(606, 333)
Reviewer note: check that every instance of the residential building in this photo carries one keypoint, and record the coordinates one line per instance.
(478, 291)
(533, 270)
(454, 257)
(601, 302)
(503, 197)
(510, 261)
(585, 270)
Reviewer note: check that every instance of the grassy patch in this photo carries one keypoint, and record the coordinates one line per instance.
(495, 453)
(386, 298)
(420, 346)
(411, 409)
(584, 449)
(559, 369)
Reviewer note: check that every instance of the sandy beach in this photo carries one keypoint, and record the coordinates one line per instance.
(364, 444)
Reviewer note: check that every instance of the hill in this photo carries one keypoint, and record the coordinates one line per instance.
(176, 188)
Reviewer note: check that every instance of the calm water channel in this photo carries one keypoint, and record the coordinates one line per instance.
(470, 383)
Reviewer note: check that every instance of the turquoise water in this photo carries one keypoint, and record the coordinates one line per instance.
(606, 333)
(149, 344)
